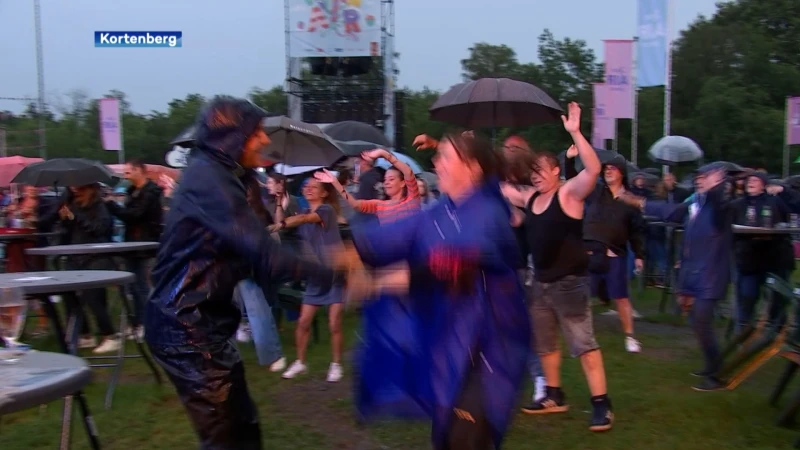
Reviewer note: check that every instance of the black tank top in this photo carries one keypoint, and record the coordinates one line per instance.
(555, 241)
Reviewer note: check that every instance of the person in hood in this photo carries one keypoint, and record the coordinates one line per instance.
(455, 349)
(608, 227)
(705, 271)
(212, 240)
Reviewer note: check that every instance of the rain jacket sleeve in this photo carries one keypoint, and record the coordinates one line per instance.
(237, 226)
(638, 227)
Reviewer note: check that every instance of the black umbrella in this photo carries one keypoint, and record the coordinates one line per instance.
(65, 172)
(299, 144)
(186, 138)
(355, 148)
(351, 130)
(495, 102)
(603, 155)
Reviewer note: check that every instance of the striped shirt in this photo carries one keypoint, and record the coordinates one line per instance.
(389, 211)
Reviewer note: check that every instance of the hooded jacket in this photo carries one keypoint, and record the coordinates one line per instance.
(609, 221)
(213, 239)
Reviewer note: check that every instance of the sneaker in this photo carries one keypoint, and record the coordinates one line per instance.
(279, 365)
(632, 345)
(87, 342)
(610, 312)
(602, 418)
(636, 314)
(297, 368)
(540, 389)
(243, 334)
(135, 333)
(554, 401)
(108, 345)
(709, 384)
(335, 373)
(701, 373)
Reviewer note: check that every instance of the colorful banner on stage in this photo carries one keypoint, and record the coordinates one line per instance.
(110, 124)
(334, 28)
(651, 55)
(793, 121)
(603, 126)
(619, 71)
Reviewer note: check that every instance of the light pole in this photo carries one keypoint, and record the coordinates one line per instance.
(40, 77)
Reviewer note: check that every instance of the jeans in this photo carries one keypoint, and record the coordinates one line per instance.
(748, 291)
(703, 325)
(140, 288)
(249, 295)
(657, 253)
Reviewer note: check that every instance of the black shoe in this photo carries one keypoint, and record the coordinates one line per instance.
(553, 402)
(701, 373)
(709, 384)
(602, 416)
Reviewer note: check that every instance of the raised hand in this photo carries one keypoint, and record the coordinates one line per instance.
(423, 142)
(324, 176)
(572, 121)
(372, 155)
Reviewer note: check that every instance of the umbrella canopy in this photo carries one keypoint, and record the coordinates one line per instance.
(495, 102)
(285, 169)
(675, 150)
(409, 161)
(11, 165)
(355, 148)
(603, 155)
(299, 144)
(65, 172)
(186, 138)
(351, 130)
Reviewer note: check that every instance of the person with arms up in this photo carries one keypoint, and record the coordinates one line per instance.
(560, 295)
(212, 240)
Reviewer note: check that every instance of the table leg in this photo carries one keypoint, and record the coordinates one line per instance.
(112, 383)
(88, 421)
(143, 352)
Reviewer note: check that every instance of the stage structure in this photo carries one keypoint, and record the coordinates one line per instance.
(340, 62)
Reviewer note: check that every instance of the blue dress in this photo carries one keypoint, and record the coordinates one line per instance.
(417, 353)
(320, 240)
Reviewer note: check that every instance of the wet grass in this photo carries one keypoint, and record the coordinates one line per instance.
(655, 407)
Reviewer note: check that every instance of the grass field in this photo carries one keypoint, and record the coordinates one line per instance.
(655, 407)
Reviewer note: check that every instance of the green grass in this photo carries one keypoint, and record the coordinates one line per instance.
(654, 406)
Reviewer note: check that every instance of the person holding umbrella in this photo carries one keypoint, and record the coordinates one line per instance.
(212, 240)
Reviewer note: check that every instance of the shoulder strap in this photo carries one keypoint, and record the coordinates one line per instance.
(529, 205)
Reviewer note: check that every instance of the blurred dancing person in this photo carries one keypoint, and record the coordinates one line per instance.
(212, 240)
(560, 295)
(455, 349)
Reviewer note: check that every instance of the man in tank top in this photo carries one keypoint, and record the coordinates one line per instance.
(560, 294)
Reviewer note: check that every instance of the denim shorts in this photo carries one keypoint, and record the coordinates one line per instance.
(562, 304)
(615, 281)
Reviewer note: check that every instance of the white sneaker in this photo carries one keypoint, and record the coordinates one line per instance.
(87, 342)
(108, 345)
(540, 389)
(636, 314)
(632, 345)
(610, 312)
(335, 373)
(297, 368)
(135, 333)
(243, 334)
(278, 365)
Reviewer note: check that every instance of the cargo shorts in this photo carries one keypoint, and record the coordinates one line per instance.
(563, 304)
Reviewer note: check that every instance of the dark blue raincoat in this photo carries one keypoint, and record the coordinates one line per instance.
(418, 353)
(213, 239)
(707, 242)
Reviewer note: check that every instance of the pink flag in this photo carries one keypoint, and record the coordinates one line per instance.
(619, 70)
(110, 124)
(793, 121)
(603, 126)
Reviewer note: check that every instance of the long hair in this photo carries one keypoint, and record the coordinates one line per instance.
(332, 198)
(472, 147)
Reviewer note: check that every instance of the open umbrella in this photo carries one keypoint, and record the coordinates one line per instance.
(675, 150)
(355, 148)
(351, 130)
(409, 161)
(495, 102)
(299, 144)
(603, 155)
(186, 138)
(11, 165)
(65, 172)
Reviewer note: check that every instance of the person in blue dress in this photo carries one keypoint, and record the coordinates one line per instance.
(455, 349)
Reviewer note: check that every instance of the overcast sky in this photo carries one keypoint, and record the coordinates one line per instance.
(230, 46)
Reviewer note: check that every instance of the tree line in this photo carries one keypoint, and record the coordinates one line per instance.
(732, 73)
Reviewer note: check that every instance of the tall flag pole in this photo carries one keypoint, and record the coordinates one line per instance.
(668, 74)
(635, 123)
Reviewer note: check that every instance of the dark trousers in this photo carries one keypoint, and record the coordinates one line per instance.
(469, 428)
(211, 384)
(703, 325)
(140, 288)
(94, 299)
(748, 291)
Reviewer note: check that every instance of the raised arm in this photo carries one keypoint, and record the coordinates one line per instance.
(517, 195)
(326, 177)
(579, 187)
